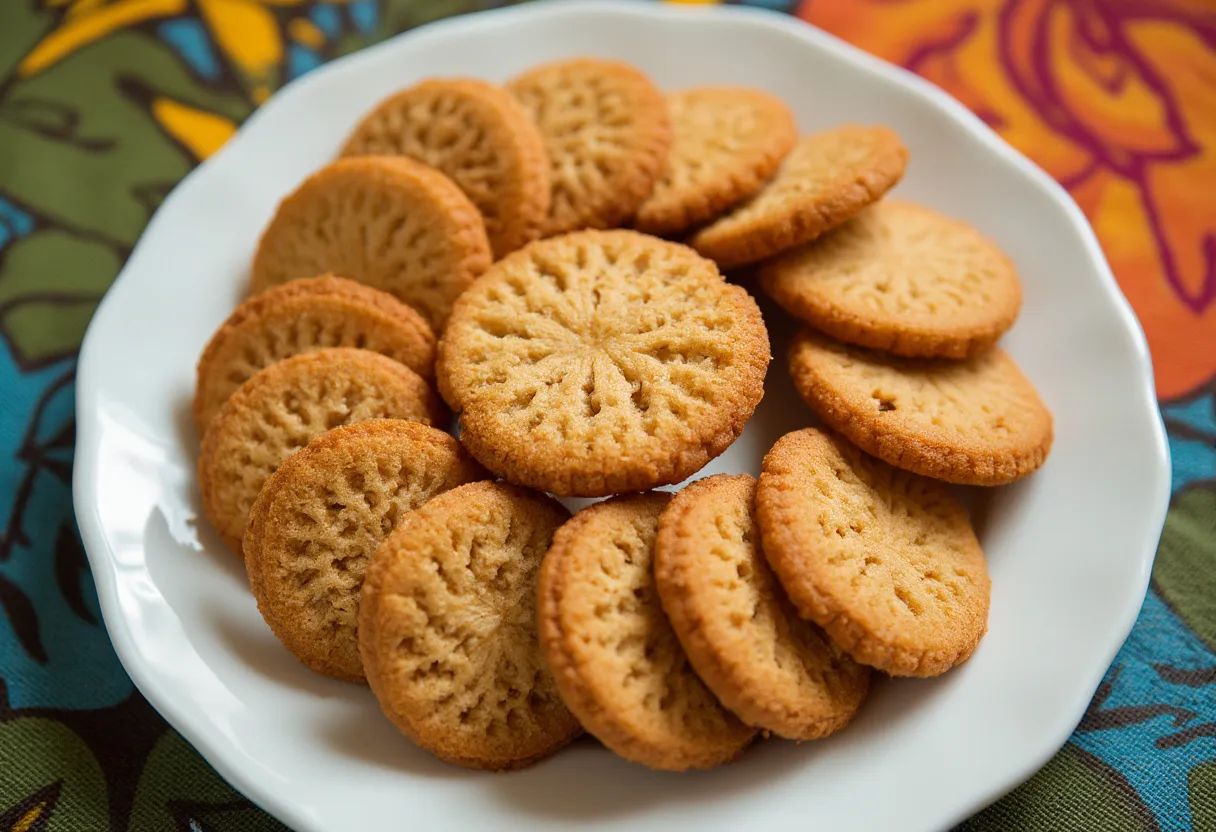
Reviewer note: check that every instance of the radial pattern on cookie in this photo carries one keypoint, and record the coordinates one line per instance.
(901, 278)
(601, 362)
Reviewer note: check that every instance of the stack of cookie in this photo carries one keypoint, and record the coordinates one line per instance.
(509, 251)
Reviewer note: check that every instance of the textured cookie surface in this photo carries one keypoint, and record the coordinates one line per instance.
(743, 636)
(885, 561)
(387, 221)
(900, 278)
(283, 407)
(617, 662)
(601, 362)
(607, 136)
(973, 422)
(825, 180)
(301, 316)
(726, 142)
(447, 628)
(478, 135)
(319, 518)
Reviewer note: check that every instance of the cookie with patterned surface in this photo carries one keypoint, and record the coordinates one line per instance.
(726, 143)
(884, 560)
(616, 660)
(602, 361)
(387, 221)
(827, 178)
(319, 518)
(447, 628)
(283, 407)
(301, 316)
(742, 635)
(607, 136)
(478, 135)
(900, 278)
(973, 422)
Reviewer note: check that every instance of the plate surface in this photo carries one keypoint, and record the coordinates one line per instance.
(1070, 549)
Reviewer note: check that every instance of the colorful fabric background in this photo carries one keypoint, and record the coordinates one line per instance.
(106, 104)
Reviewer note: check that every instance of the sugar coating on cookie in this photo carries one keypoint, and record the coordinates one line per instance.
(478, 135)
(319, 518)
(601, 362)
(617, 662)
(884, 560)
(744, 638)
(447, 628)
(301, 316)
(827, 178)
(280, 409)
(607, 136)
(387, 221)
(973, 422)
(726, 143)
(900, 278)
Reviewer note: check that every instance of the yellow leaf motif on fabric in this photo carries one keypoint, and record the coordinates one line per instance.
(306, 32)
(26, 822)
(202, 133)
(81, 29)
(249, 35)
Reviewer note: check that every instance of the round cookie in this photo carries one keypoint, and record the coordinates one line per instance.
(477, 134)
(885, 561)
(606, 134)
(601, 362)
(447, 628)
(742, 635)
(386, 221)
(826, 179)
(900, 278)
(283, 407)
(301, 316)
(726, 142)
(973, 422)
(319, 518)
(617, 662)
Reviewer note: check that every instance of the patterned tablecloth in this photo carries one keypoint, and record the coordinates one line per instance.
(106, 104)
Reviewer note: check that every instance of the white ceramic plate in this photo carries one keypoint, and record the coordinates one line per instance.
(1070, 549)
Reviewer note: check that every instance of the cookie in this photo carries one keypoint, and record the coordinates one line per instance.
(900, 278)
(302, 316)
(726, 143)
(319, 518)
(386, 221)
(973, 422)
(606, 134)
(447, 628)
(742, 635)
(617, 662)
(826, 179)
(283, 407)
(477, 134)
(884, 560)
(602, 361)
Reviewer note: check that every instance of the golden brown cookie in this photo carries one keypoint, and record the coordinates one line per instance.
(743, 637)
(283, 407)
(319, 518)
(885, 561)
(617, 662)
(447, 628)
(973, 422)
(606, 134)
(302, 316)
(477, 134)
(386, 221)
(825, 180)
(726, 142)
(601, 362)
(900, 278)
